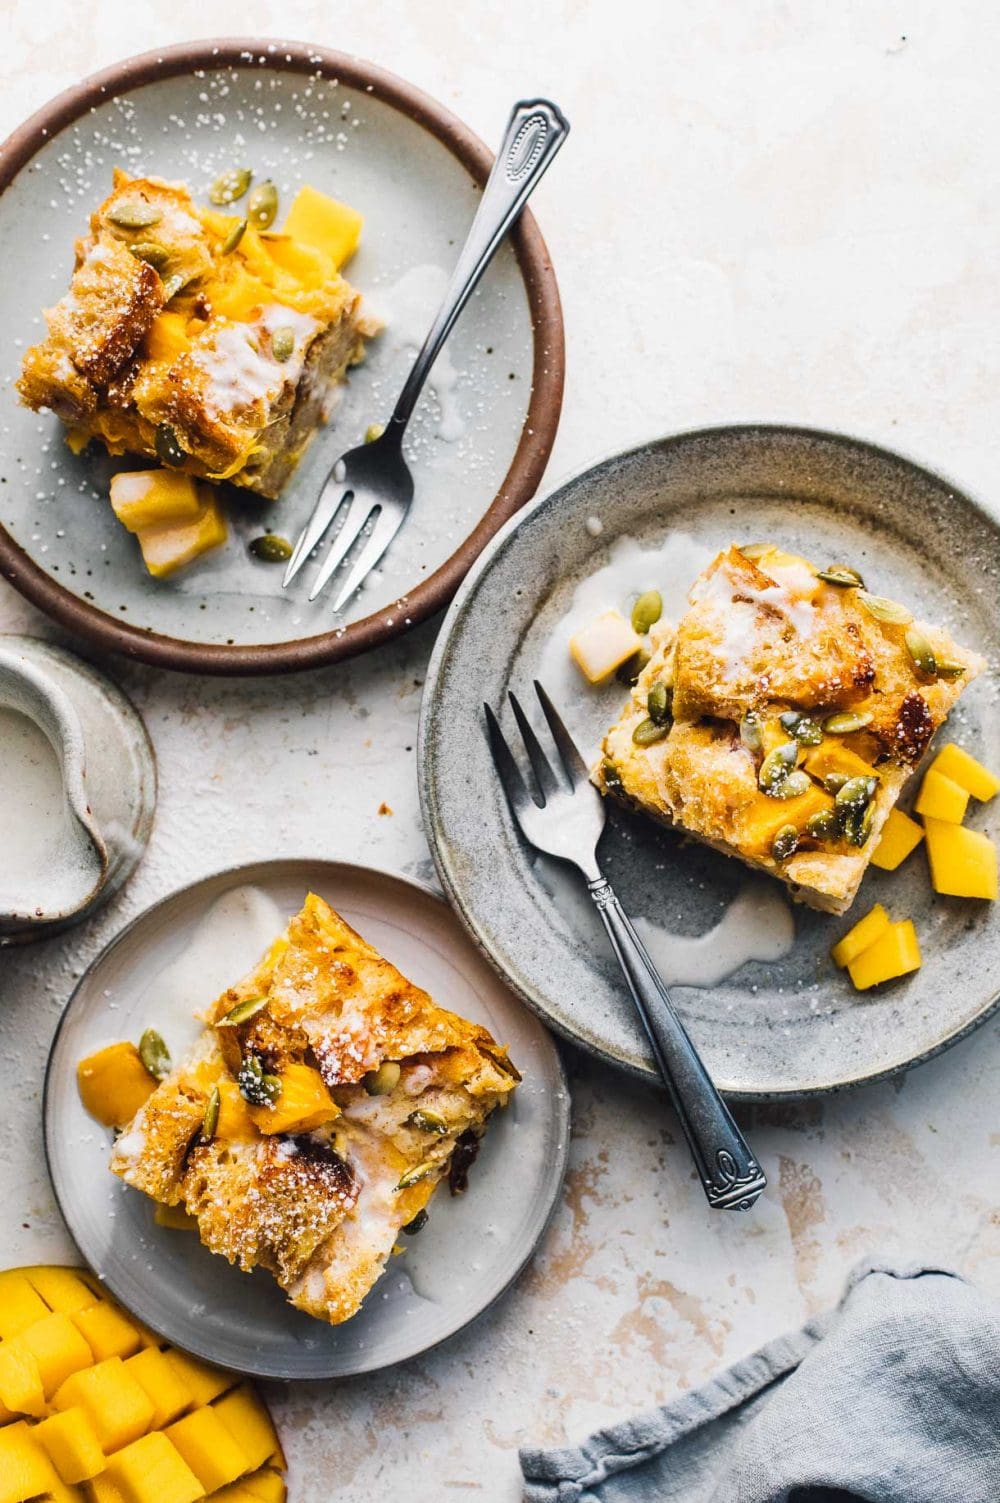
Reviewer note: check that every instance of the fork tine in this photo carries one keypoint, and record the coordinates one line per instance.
(575, 767)
(548, 783)
(386, 526)
(331, 499)
(357, 516)
(507, 769)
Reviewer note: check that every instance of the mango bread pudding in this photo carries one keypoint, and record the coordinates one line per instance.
(201, 337)
(327, 1100)
(780, 719)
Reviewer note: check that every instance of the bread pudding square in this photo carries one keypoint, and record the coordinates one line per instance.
(780, 719)
(184, 337)
(327, 1100)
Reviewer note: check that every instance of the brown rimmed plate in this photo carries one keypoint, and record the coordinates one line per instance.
(481, 436)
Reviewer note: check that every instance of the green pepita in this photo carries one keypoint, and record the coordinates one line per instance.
(847, 721)
(751, 733)
(229, 186)
(647, 611)
(283, 344)
(885, 610)
(257, 1087)
(785, 843)
(647, 733)
(841, 574)
(173, 285)
(834, 781)
(234, 237)
(373, 432)
(822, 826)
(948, 668)
(210, 1121)
(922, 653)
(802, 727)
(262, 206)
(796, 783)
(154, 1054)
(612, 777)
(270, 548)
(242, 1012)
(416, 1225)
(775, 768)
(418, 1172)
(659, 702)
(856, 793)
(383, 1080)
(168, 446)
(134, 214)
(628, 672)
(858, 828)
(150, 251)
(425, 1121)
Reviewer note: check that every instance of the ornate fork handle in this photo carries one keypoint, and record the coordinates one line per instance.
(731, 1177)
(535, 131)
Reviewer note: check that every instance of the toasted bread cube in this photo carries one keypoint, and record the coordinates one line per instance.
(107, 1331)
(57, 1347)
(72, 1445)
(235, 1120)
(957, 764)
(20, 1304)
(175, 1218)
(150, 498)
(864, 933)
(169, 546)
(249, 1423)
(114, 1083)
(304, 1103)
(895, 953)
(941, 798)
(323, 222)
(167, 1391)
(113, 1400)
(899, 838)
(61, 1288)
(21, 1388)
(151, 1470)
(963, 862)
(602, 646)
(25, 1469)
(210, 1450)
(203, 1382)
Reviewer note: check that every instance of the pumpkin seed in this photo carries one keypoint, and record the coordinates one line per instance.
(416, 1225)
(755, 550)
(922, 653)
(856, 793)
(776, 767)
(210, 1121)
(283, 344)
(802, 727)
(262, 206)
(229, 186)
(647, 733)
(750, 731)
(150, 251)
(948, 668)
(658, 703)
(785, 843)
(841, 574)
(858, 829)
(612, 777)
(628, 672)
(134, 214)
(885, 610)
(647, 611)
(383, 1080)
(173, 285)
(822, 826)
(834, 781)
(373, 432)
(427, 1122)
(234, 237)
(154, 1054)
(255, 1086)
(242, 1012)
(847, 721)
(796, 783)
(168, 445)
(270, 548)
(418, 1172)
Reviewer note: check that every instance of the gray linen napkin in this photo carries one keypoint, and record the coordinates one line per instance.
(894, 1397)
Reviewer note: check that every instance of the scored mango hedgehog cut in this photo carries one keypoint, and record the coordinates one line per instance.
(326, 1101)
(781, 718)
(96, 1409)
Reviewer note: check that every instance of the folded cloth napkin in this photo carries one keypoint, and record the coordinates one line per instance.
(894, 1397)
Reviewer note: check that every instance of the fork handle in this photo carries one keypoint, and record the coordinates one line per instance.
(535, 131)
(730, 1175)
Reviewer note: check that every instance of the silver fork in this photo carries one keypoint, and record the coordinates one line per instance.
(563, 815)
(374, 480)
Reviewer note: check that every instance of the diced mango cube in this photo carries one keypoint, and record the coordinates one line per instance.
(72, 1445)
(958, 765)
(114, 1083)
(167, 1391)
(56, 1346)
(963, 862)
(323, 222)
(204, 1383)
(151, 1470)
(833, 756)
(169, 546)
(895, 953)
(304, 1103)
(266, 1485)
(21, 1388)
(20, 1304)
(602, 646)
(149, 498)
(210, 1450)
(175, 1217)
(168, 336)
(107, 1331)
(766, 816)
(865, 932)
(235, 1120)
(900, 836)
(25, 1469)
(941, 798)
(249, 1423)
(113, 1400)
(61, 1288)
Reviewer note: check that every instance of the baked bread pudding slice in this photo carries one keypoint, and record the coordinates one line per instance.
(781, 718)
(190, 336)
(327, 1100)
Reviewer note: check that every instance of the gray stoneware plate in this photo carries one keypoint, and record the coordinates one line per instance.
(180, 954)
(481, 434)
(782, 1025)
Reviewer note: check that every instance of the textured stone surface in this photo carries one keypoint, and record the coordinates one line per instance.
(762, 213)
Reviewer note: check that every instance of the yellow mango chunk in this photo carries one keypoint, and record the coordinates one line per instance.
(21, 1388)
(25, 1469)
(307, 265)
(210, 1450)
(249, 1423)
(235, 1120)
(174, 1217)
(900, 836)
(941, 798)
(72, 1445)
(170, 546)
(61, 1288)
(168, 336)
(304, 1103)
(116, 1404)
(766, 816)
(204, 1383)
(163, 1384)
(151, 1470)
(963, 862)
(322, 222)
(56, 1346)
(865, 932)
(101, 1489)
(266, 1486)
(957, 764)
(20, 1304)
(107, 1331)
(603, 645)
(832, 756)
(895, 953)
(148, 498)
(114, 1083)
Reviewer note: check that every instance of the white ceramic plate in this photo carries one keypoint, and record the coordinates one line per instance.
(154, 975)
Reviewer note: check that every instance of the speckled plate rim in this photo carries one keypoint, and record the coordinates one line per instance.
(540, 423)
(436, 837)
(244, 872)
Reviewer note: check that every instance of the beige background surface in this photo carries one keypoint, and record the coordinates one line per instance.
(766, 211)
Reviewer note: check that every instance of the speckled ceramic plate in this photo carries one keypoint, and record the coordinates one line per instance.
(480, 437)
(472, 1247)
(785, 1026)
